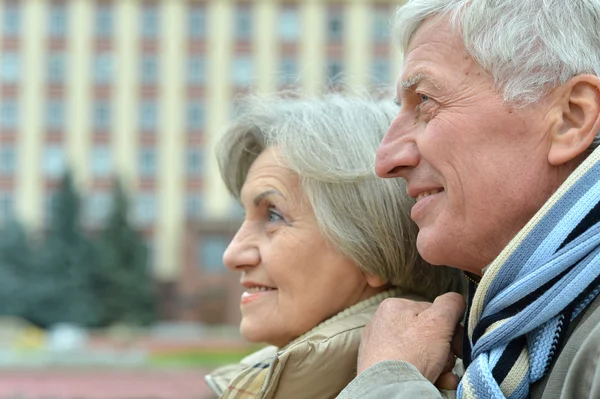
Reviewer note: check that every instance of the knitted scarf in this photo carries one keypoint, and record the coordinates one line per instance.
(543, 279)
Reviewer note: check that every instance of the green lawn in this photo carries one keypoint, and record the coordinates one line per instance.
(206, 359)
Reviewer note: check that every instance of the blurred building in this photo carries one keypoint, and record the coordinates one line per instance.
(142, 89)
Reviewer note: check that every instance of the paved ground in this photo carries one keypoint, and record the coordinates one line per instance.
(103, 384)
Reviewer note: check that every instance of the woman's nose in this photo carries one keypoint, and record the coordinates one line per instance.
(243, 251)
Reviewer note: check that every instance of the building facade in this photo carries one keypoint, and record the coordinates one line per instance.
(141, 89)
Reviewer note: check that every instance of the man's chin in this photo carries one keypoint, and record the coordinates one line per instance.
(432, 250)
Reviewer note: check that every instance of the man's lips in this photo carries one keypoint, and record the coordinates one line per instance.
(427, 193)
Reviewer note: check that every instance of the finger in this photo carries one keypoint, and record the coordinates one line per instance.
(449, 363)
(450, 306)
(457, 340)
(447, 381)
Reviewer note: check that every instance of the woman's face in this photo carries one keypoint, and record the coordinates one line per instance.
(294, 278)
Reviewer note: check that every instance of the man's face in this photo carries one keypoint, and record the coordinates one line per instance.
(478, 168)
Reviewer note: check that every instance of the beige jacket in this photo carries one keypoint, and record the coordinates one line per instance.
(318, 365)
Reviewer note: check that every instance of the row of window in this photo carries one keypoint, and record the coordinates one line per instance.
(289, 21)
(104, 20)
(102, 115)
(242, 69)
(97, 207)
(104, 69)
(54, 161)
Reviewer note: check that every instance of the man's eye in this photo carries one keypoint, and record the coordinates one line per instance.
(274, 216)
(423, 98)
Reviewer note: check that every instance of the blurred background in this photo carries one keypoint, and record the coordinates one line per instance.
(113, 218)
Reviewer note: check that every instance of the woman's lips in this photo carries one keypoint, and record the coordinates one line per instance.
(254, 294)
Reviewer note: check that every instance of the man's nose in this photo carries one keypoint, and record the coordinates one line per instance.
(398, 153)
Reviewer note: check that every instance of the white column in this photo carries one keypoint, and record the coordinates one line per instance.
(312, 50)
(357, 39)
(171, 147)
(265, 42)
(79, 56)
(219, 101)
(29, 202)
(125, 91)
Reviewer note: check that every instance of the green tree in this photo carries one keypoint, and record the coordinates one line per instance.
(65, 268)
(124, 282)
(16, 265)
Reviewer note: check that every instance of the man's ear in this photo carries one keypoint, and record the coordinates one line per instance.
(375, 281)
(580, 107)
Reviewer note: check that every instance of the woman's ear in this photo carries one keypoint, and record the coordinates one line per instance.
(580, 107)
(375, 281)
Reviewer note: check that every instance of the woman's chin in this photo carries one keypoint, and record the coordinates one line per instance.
(258, 335)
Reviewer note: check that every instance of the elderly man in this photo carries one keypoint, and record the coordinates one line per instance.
(499, 119)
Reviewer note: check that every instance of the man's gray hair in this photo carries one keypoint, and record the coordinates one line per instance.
(528, 46)
(331, 142)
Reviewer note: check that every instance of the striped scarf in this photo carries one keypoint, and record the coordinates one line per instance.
(543, 279)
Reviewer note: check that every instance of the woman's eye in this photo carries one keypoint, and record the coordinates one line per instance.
(274, 216)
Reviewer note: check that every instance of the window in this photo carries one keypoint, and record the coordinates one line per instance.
(7, 203)
(149, 69)
(335, 24)
(103, 69)
(148, 117)
(147, 165)
(12, 19)
(104, 20)
(381, 71)
(381, 25)
(195, 115)
(242, 70)
(145, 208)
(194, 206)
(212, 249)
(289, 70)
(97, 207)
(56, 68)
(54, 161)
(196, 69)
(195, 161)
(149, 21)
(11, 67)
(243, 22)
(334, 71)
(8, 160)
(197, 21)
(289, 24)
(9, 113)
(58, 20)
(55, 117)
(101, 161)
(102, 115)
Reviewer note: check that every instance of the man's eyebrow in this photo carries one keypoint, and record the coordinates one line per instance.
(265, 194)
(411, 82)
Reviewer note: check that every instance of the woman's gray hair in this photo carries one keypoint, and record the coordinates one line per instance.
(528, 46)
(331, 142)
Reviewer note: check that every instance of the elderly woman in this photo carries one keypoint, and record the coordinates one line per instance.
(323, 242)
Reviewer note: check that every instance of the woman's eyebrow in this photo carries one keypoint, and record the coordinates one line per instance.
(265, 194)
